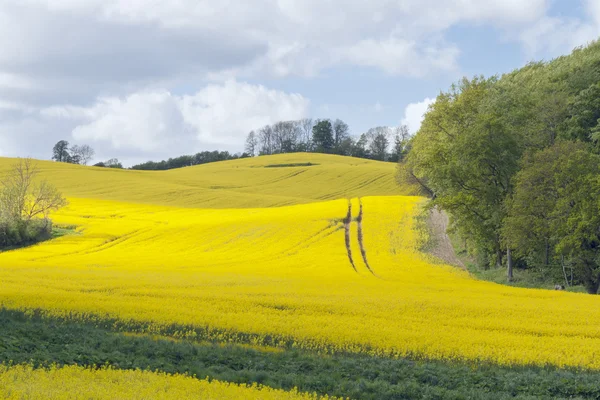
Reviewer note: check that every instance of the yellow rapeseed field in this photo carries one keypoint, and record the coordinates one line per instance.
(194, 262)
(74, 383)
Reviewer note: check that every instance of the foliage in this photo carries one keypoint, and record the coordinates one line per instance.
(378, 142)
(60, 152)
(188, 161)
(341, 132)
(323, 137)
(82, 154)
(25, 205)
(112, 163)
(78, 154)
(472, 144)
(468, 158)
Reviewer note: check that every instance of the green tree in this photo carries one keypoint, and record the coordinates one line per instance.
(401, 144)
(528, 227)
(323, 139)
(341, 132)
(60, 152)
(555, 212)
(467, 157)
(577, 215)
(379, 146)
(584, 116)
(360, 149)
(25, 205)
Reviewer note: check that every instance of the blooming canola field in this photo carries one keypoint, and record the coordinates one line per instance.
(24, 382)
(255, 251)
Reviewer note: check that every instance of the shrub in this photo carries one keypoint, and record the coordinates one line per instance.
(20, 233)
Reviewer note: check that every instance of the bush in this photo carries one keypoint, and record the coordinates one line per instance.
(21, 233)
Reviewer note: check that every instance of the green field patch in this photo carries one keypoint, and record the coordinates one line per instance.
(26, 337)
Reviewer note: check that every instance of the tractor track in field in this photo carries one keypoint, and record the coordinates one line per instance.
(361, 243)
(347, 222)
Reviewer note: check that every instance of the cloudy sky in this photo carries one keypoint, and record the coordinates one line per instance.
(149, 79)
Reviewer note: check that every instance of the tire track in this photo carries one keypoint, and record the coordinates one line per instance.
(363, 251)
(347, 222)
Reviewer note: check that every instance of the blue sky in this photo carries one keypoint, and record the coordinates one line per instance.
(144, 80)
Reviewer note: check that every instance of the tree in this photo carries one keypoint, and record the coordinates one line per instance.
(113, 163)
(407, 178)
(323, 136)
(379, 142)
(82, 154)
(360, 147)
(401, 143)
(251, 144)
(576, 217)
(306, 127)
(24, 201)
(285, 135)
(528, 226)
(468, 157)
(266, 140)
(60, 152)
(341, 132)
(346, 147)
(555, 211)
(583, 123)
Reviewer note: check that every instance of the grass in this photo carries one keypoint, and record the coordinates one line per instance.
(57, 232)
(43, 341)
(523, 278)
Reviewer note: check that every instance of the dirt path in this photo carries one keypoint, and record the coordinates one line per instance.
(441, 247)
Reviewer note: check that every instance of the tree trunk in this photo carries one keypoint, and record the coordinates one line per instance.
(547, 254)
(498, 258)
(509, 264)
(562, 263)
(591, 279)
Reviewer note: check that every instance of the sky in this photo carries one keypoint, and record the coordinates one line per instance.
(146, 79)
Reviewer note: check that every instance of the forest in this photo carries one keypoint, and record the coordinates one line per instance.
(514, 160)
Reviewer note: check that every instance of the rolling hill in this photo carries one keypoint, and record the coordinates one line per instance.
(261, 252)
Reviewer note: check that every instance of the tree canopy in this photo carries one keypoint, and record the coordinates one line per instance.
(513, 160)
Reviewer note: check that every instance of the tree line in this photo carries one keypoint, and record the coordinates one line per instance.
(328, 136)
(202, 157)
(515, 161)
(381, 143)
(306, 135)
(80, 154)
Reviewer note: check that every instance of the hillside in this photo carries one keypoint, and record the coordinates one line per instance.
(268, 181)
(160, 260)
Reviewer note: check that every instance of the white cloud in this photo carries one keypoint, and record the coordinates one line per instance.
(116, 64)
(162, 124)
(115, 41)
(414, 114)
(145, 121)
(226, 113)
(400, 57)
(557, 35)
